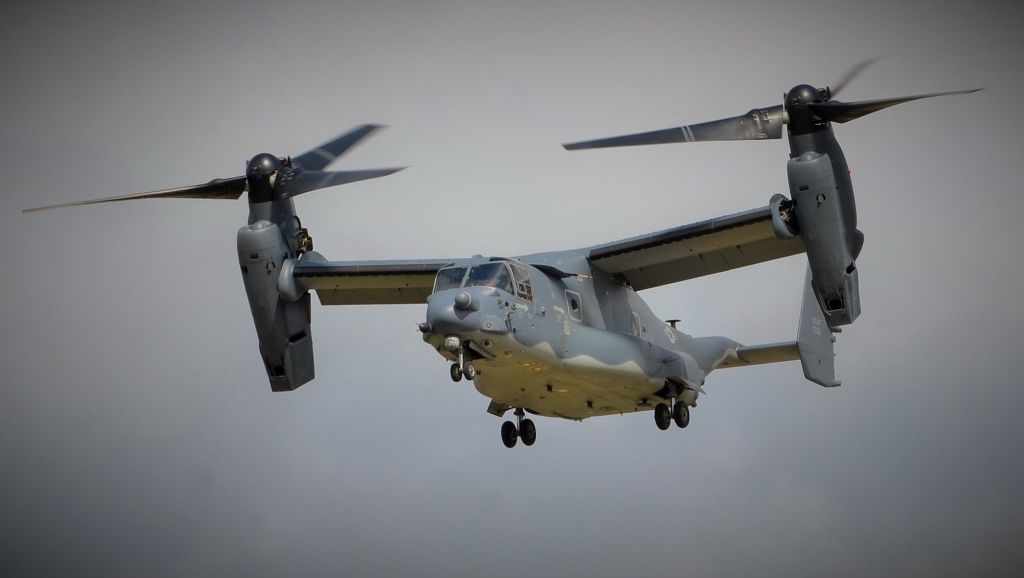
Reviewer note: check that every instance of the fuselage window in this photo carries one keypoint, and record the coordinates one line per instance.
(522, 278)
(449, 278)
(490, 275)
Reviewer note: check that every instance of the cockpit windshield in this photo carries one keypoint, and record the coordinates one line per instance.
(484, 275)
(490, 275)
(449, 278)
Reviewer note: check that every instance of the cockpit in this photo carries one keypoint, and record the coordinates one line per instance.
(508, 276)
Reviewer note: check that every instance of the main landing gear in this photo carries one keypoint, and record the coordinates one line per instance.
(663, 416)
(525, 431)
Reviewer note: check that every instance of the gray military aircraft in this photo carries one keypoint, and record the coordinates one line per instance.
(565, 334)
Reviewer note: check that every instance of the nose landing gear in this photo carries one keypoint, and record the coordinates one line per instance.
(463, 367)
(525, 431)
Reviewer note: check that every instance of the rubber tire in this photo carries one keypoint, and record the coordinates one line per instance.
(681, 415)
(662, 416)
(528, 432)
(509, 434)
(469, 371)
(455, 372)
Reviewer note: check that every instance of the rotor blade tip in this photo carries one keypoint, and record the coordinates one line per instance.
(372, 127)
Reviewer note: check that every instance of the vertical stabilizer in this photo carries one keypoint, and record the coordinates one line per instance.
(815, 340)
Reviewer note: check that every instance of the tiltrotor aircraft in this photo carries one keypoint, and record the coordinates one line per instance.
(565, 334)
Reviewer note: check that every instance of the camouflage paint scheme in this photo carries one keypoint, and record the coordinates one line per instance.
(585, 345)
(581, 342)
(564, 334)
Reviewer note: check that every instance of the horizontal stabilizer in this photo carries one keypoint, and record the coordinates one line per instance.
(758, 354)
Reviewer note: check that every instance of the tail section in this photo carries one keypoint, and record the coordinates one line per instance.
(813, 347)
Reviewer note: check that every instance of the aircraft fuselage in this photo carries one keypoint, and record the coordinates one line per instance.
(577, 343)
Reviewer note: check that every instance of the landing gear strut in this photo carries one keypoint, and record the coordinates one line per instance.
(526, 430)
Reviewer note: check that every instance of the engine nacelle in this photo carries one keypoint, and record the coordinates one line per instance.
(818, 214)
(283, 326)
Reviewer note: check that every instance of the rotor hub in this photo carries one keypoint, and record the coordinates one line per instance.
(802, 95)
(259, 174)
(263, 165)
(798, 104)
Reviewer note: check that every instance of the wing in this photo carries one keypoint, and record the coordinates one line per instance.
(695, 250)
(369, 282)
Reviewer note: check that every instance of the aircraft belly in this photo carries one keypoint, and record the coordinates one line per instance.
(536, 378)
(558, 367)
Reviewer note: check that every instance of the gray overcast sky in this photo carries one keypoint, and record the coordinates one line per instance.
(138, 435)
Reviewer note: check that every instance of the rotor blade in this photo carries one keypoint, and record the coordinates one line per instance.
(846, 111)
(216, 189)
(307, 181)
(757, 124)
(852, 73)
(320, 157)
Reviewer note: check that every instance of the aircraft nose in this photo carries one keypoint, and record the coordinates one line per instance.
(463, 312)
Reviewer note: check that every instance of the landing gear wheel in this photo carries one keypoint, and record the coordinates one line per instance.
(681, 414)
(469, 371)
(456, 372)
(528, 432)
(662, 416)
(509, 434)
